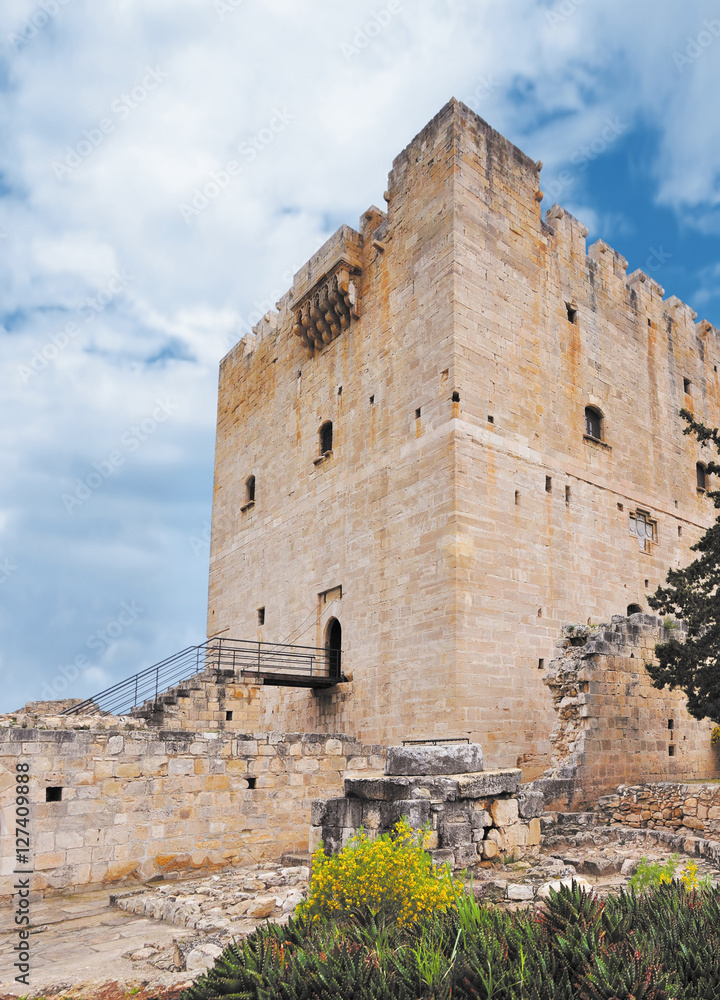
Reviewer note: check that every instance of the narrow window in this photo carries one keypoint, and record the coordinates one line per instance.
(252, 782)
(634, 609)
(679, 531)
(418, 413)
(647, 584)
(671, 750)
(491, 419)
(339, 390)
(228, 716)
(548, 484)
(372, 400)
(517, 498)
(687, 386)
(567, 494)
(261, 616)
(541, 664)
(701, 476)
(326, 438)
(53, 794)
(620, 507)
(539, 612)
(650, 322)
(671, 723)
(593, 423)
(643, 528)
(250, 490)
(571, 312)
(456, 397)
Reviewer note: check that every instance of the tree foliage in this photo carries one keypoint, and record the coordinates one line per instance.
(691, 660)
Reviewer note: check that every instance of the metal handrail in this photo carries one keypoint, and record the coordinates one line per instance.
(263, 659)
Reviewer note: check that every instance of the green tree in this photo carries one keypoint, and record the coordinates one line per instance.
(692, 662)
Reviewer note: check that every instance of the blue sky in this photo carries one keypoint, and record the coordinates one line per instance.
(120, 290)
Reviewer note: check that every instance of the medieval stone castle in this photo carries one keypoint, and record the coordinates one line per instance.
(452, 464)
(461, 432)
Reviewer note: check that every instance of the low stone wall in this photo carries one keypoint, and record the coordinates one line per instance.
(470, 814)
(136, 803)
(687, 809)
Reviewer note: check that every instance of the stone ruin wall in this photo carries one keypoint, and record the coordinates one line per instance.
(686, 809)
(612, 725)
(467, 814)
(139, 803)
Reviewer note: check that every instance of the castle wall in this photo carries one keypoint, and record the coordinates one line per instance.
(376, 517)
(544, 512)
(462, 543)
(140, 803)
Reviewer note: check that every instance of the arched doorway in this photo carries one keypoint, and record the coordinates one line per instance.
(333, 645)
(634, 609)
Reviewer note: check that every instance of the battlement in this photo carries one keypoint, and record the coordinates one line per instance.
(324, 299)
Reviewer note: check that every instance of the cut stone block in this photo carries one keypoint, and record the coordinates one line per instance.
(449, 758)
(489, 783)
(466, 855)
(534, 833)
(456, 834)
(504, 812)
(515, 836)
(531, 802)
(387, 788)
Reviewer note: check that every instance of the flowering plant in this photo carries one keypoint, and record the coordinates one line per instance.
(715, 737)
(393, 874)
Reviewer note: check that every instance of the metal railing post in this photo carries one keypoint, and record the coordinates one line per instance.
(157, 678)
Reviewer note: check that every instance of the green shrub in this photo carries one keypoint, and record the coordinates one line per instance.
(393, 875)
(651, 874)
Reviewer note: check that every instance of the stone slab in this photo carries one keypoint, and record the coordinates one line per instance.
(447, 758)
(386, 788)
(487, 783)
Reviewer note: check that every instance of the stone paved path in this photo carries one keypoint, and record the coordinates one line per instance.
(80, 939)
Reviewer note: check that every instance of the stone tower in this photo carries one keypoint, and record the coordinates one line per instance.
(458, 433)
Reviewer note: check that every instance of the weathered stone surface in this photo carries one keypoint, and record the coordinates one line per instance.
(263, 906)
(489, 783)
(520, 892)
(386, 788)
(504, 812)
(531, 802)
(416, 811)
(202, 957)
(515, 836)
(445, 758)
(466, 855)
(456, 834)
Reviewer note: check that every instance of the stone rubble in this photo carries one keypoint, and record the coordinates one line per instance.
(221, 908)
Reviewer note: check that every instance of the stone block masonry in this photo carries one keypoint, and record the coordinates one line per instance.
(690, 810)
(468, 815)
(132, 804)
(611, 723)
(504, 403)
